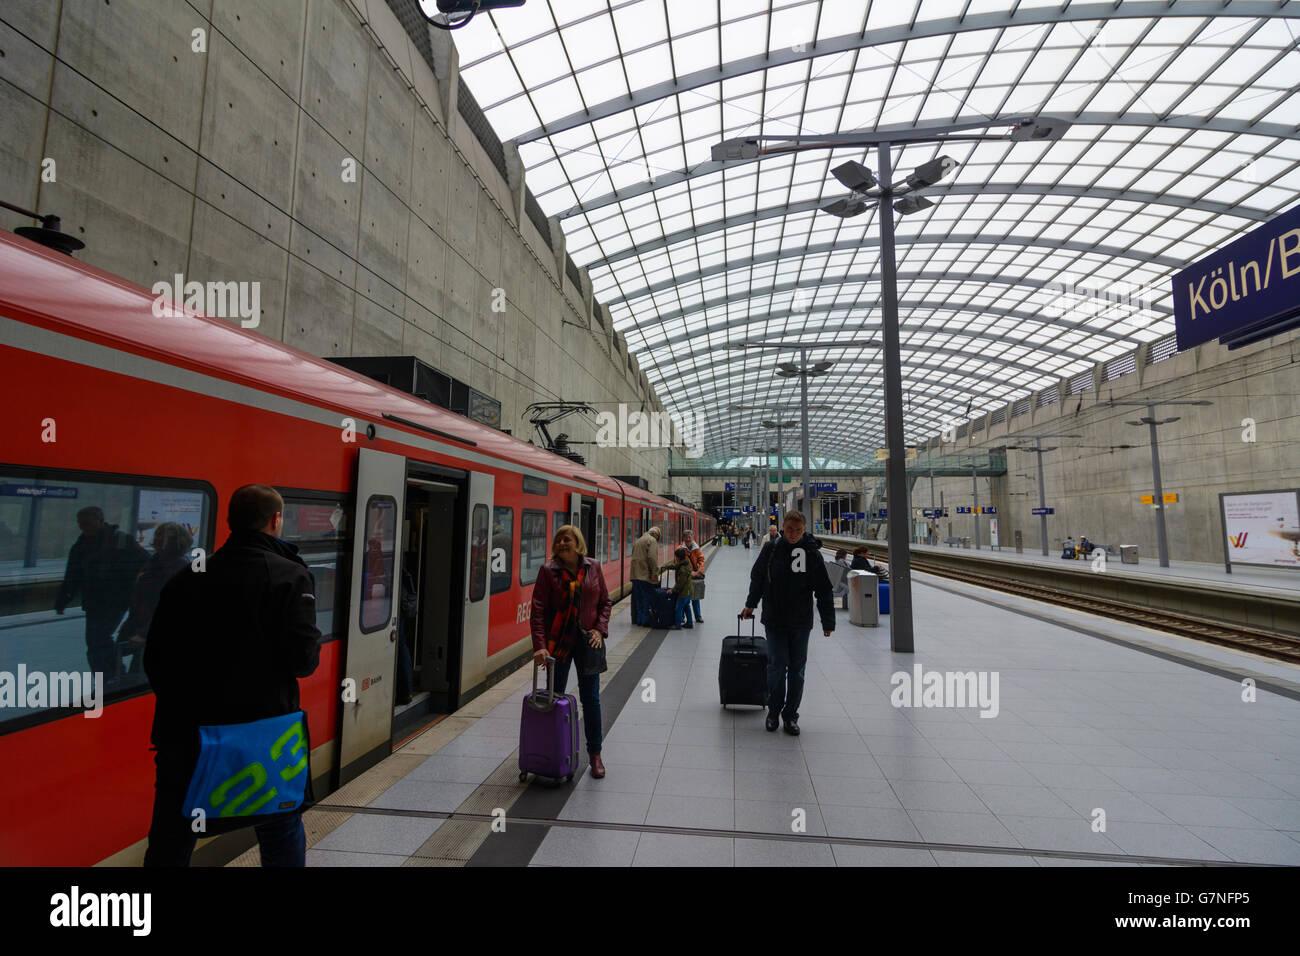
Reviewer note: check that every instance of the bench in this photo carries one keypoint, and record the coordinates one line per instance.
(952, 542)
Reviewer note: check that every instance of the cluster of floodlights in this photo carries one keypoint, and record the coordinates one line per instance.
(861, 181)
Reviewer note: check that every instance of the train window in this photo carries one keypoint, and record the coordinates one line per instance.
(503, 536)
(614, 539)
(478, 553)
(559, 519)
(532, 545)
(319, 527)
(599, 553)
(83, 560)
(378, 563)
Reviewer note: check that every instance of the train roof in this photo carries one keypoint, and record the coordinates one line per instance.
(46, 288)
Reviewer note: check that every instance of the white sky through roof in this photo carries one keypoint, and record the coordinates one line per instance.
(1186, 133)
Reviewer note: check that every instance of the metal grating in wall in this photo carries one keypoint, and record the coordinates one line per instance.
(1161, 349)
(977, 425)
(474, 118)
(534, 213)
(1120, 366)
(1021, 407)
(413, 21)
(1048, 396)
(999, 415)
(1081, 382)
(963, 429)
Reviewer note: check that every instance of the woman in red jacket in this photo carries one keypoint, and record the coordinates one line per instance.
(570, 622)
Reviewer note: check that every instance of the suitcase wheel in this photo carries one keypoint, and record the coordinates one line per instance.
(569, 779)
(523, 775)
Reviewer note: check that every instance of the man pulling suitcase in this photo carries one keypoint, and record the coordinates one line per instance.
(788, 574)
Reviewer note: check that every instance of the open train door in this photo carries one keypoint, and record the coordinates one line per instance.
(575, 508)
(479, 560)
(365, 731)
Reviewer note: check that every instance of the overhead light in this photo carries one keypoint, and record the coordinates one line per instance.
(783, 373)
(855, 176)
(820, 367)
(1043, 128)
(787, 367)
(910, 204)
(731, 149)
(846, 208)
(935, 171)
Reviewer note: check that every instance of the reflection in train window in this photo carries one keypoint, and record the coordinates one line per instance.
(377, 562)
(503, 536)
(599, 553)
(82, 565)
(614, 539)
(319, 527)
(532, 545)
(561, 518)
(478, 553)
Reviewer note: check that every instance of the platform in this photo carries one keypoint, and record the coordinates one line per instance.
(1244, 578)
(1091, 715)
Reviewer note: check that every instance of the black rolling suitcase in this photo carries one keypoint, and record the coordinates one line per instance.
(742, 671)
(662, 609)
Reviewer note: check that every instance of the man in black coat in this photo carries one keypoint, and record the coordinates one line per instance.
(102, 566)
(227, 646)
(789, 571)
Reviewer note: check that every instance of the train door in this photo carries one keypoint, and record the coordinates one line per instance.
(429, 637)
(582, 515)
(600, 549)
(476, 598)
(575, 509)
(367, 710)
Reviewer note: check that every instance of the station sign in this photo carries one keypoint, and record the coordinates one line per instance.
(1044, 511)
(882, 454)
(988, 510)
(933, 513)
(820, 486)
(749, 509)
(37, 491)
(884, 512)
(1247, 290)
(1170, 498)
(963, 510)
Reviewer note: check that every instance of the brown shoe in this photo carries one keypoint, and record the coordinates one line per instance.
(597, 766)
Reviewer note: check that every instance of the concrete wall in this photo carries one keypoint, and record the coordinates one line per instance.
(227, 165)
(1096, 487)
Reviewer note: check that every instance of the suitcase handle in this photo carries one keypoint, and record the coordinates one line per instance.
(547, 702)
(753, 636)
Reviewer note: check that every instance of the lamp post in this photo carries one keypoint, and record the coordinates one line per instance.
(804, 371)
(1158, 500)
(767, 476)
(865, 191)
(1038, 449)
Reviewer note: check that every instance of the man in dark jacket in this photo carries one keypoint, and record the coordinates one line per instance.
(862, 563)
(227, 646)
(102, 566)
(789, 571)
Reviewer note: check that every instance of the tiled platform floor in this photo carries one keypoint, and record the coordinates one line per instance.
(1184, 769)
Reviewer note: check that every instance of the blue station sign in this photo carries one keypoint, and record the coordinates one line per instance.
(1044, 511)
(1246, 291)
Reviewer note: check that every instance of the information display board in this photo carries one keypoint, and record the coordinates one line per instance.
(1261, 527)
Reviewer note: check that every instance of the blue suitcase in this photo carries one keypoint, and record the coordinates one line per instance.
(884, 597)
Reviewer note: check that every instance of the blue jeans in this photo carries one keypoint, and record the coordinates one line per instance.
(589, 694)
(682, 615)
(695, 603)
(641, 591)
(787, 651)
(171, 839)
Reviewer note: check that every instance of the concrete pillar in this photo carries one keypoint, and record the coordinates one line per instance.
(1140, 355)
(446, 67)
(1098, 377)
(557, 245)
(1062, 395)
(515, 180)
(584, 289)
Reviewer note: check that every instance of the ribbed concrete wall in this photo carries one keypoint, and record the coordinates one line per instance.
(227, 165)
(1096, 490)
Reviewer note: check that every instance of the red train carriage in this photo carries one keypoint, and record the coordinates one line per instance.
(156, 420)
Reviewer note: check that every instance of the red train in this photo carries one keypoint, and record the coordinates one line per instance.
(156, 420)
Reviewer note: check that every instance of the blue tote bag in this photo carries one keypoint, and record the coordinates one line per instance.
(247, 772)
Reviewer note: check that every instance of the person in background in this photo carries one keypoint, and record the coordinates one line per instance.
(1068, 550)
(694, 554)
(171, 552)
(749, 536)
(773, 532)
(683, 590)
(102, 567)
(863, 563)
(645, 575)
(1085, 546)
(842, 589)
(788, 575)
(570, 623)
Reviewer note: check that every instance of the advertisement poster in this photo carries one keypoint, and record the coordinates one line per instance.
(155, 506)
(1262, 528)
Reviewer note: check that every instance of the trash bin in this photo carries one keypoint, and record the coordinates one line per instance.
(863, 597)
(1128, 554)
(1020, 543)
(965, 542)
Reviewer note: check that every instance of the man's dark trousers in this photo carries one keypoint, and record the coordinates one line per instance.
(642, 594)
(787, 649)
(171, 837)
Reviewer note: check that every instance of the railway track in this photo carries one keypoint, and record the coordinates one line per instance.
(1275, 646)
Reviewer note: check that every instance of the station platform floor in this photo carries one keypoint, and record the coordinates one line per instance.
(1244, 578)
(1111, 745)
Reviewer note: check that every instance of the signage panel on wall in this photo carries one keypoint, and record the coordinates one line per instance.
(1261, 528)
(1247, 290)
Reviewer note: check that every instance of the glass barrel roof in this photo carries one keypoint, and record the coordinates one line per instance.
(1037, 260)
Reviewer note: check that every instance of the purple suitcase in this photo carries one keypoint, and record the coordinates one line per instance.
(548, 732)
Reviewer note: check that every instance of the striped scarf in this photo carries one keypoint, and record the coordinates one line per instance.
(565, 626)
